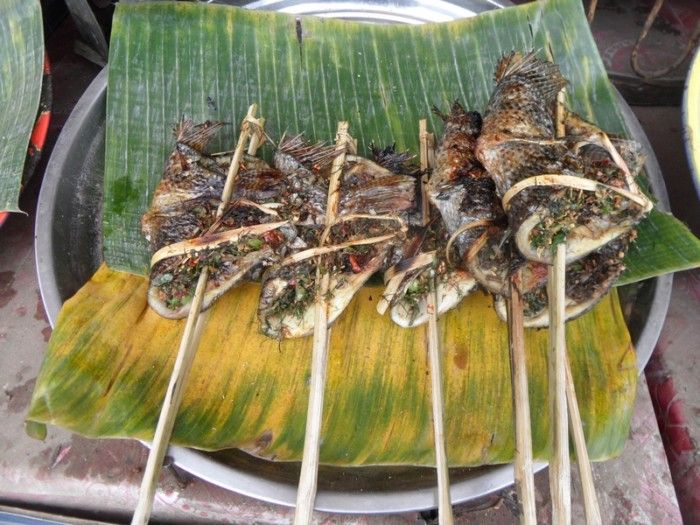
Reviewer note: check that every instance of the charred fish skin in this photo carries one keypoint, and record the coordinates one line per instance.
(518, 142)
(306, 168)
(386, 185)
(373, 202)
(185, 199)
(517, 138)
(184, 209)
(459, 188)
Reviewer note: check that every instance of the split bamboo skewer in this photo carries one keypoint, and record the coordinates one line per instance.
(190, 340)
(590, 499)
(559, 465)
(524, 477)
(308, 478)
(445, 516)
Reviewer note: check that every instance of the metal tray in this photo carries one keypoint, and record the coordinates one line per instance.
(69, 250)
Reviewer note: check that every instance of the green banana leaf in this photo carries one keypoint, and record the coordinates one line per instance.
(110, 356)
(210, 62)
(21, 61)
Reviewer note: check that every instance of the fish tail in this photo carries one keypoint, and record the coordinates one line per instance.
(542, 74)
(196, 136)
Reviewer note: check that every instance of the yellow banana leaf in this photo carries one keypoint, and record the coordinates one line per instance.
(110, 357)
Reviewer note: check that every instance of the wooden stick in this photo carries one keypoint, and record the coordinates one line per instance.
(559, 465)
(590, 499)
(445, 516)
(524, 477)
(308, 478)
(185, 355)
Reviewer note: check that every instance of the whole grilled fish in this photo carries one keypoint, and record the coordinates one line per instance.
(518, 142)
(374, 207)
(407, 280)
(185, 235)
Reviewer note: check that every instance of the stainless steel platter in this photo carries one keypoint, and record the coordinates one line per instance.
(69, 250)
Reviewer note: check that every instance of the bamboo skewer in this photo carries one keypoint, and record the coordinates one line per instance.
(559, 465)
(308, 478)
(189, 342)
(445, 516)
(588, 488)
(590, 499)
(524, 477)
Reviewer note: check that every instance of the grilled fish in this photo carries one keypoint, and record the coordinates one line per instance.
(407, 281)
(185, 236)
(518, 143)
(587, 282)
(374, 207)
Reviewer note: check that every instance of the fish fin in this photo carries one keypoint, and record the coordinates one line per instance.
(315, 157)
(436, 111)
(543, 74)
(196, 136)
(399, 162)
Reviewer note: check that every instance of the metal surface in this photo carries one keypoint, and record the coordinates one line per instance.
(396, 11)
(68, 251)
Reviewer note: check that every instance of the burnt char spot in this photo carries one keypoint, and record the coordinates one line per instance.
(6, 291)
(46, 332)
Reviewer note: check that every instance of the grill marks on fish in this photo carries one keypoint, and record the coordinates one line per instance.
(517, 143)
